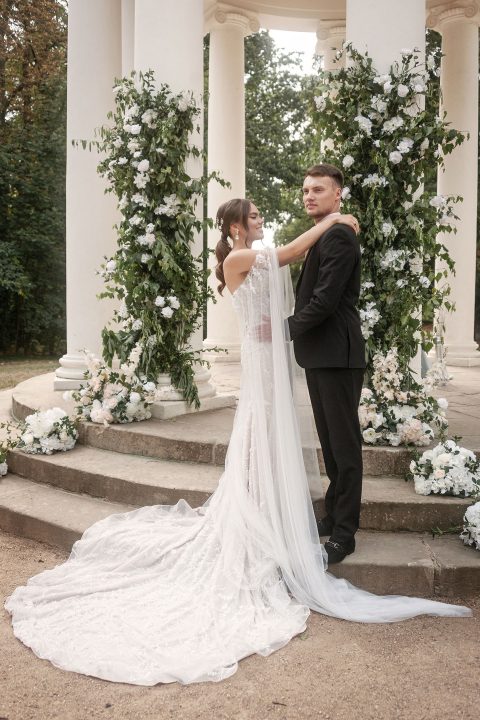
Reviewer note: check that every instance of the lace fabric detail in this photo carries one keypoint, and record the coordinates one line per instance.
(175, 593)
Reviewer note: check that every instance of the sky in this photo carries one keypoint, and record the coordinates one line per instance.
(297, 42)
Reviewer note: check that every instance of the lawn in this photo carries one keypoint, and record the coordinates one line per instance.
(14, 370)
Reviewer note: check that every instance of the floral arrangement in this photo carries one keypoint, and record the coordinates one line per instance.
(383, 129)
(42, 432)
(396, 410)
(160, 285)
(447, 469)
(471, 526)
(114, 396)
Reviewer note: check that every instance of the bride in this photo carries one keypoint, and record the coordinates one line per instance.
(174, 593)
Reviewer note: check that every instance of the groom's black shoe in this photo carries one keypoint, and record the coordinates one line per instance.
(325, 526)
(338, 551)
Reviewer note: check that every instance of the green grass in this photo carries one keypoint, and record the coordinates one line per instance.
(14, 370)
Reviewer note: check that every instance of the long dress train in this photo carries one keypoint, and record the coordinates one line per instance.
(174, 593)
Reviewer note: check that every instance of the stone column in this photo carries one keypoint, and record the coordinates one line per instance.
(330, 39)
(169, 40)
(128, 34)
(405, 22)
(226, 154)
(459, 82)
(94, 60)
(385, 27)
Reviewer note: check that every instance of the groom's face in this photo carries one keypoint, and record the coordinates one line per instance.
(321, 196)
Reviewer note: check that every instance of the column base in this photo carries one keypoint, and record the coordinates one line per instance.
(70, 374)
(463, 355)
(230, 352)
(171, 403)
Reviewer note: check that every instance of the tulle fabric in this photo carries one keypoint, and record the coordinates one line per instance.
(174, 593)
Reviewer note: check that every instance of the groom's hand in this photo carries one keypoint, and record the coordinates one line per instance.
(263, 332)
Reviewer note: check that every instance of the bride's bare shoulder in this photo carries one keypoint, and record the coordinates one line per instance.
(238, 261)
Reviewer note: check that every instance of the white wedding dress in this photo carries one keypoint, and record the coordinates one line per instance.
(172, 593)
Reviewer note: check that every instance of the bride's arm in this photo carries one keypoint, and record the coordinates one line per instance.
(294, 250)
(240, 261)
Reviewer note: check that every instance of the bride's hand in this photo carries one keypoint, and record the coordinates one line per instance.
(350, 220)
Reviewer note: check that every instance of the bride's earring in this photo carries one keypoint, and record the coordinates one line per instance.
(236, 236)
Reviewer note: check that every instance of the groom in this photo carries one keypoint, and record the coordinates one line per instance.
(328, 343)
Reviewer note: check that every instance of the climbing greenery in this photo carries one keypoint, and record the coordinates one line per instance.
(386, 134)
(159, 282)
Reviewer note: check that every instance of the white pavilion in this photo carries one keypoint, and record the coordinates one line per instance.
(110, 38)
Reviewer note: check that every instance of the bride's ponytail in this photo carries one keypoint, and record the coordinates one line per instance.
(232, 211)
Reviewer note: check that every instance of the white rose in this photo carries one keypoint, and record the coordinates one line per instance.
(369, 435)
(3, 468)
(395, 157)
(346, 194)
(143, 166)
(442, 403)
(173, 302)
(167, 312)
(28, 438)
(122, 161)
(145, 258)
(134, 129)
(320, 102)
(347, 161)
(402, 91)
(159, 301)
(387, 88)
(149, 387)
(111, 265)
(137, 325)
(135, 397)
(438, 474)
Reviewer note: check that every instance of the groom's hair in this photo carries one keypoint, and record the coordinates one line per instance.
(326, 170)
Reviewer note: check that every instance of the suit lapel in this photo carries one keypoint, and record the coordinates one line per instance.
(299, 281)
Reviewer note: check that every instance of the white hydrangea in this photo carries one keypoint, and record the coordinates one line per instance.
(395, 157)
(471, 526)
(405, 145)
(394, 259)
(389, 126)
(364, 124)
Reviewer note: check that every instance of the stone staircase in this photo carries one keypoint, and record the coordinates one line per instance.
(55, 498)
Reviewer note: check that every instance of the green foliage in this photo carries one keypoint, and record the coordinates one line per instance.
(278, 128)
(160, 284)
(32, 176)
(385, 132)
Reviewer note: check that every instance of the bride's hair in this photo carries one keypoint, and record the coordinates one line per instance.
(232, 211)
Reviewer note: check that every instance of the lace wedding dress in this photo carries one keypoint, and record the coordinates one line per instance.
(173, 593)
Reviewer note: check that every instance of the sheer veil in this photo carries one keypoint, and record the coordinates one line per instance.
(305, 569)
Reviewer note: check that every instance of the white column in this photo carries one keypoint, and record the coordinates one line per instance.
(330, 39)
(128, 33)
(459, 81)
(94, 60)
(226, 154)
(404, 27)
(385, 27)
(169, 40)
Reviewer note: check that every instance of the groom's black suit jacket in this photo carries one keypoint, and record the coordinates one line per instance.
(325, 327)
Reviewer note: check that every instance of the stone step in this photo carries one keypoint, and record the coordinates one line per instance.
(388, 503)
(399, 563)
(49, 514)
(199, 438)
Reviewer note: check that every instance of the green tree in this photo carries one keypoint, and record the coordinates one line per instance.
(32, 175)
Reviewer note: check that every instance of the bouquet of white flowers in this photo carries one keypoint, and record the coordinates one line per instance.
(448, 469)
(114, 396)
(471, 526)
(397, 411)
(47, 432)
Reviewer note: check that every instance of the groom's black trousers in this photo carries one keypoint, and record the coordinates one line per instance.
(335, 396)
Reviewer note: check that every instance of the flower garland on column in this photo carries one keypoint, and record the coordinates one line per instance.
(161, 286)
(385, 132)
